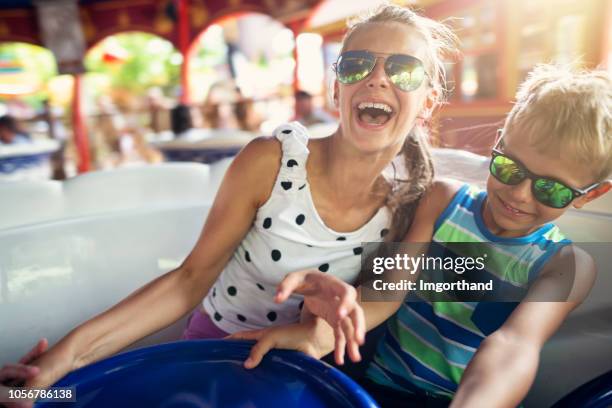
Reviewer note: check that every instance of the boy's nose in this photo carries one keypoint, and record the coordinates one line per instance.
(521, 193)
(378, 76)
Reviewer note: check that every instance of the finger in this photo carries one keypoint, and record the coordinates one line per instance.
(288, 285)
(17, 372)
(258, 351)
(352, 345)
(358, 319)
(246, 335)
(340, 346)
(347, 296)
(37, 350)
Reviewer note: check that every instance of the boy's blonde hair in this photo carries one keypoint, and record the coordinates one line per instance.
(439, 42)
(567, 110)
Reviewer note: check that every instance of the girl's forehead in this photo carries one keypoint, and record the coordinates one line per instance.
(387, 37)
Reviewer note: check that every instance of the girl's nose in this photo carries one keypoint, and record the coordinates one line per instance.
(378, 77)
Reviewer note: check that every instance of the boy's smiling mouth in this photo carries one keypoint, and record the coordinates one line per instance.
(511, 210)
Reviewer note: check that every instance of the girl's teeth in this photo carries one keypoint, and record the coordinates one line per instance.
(382, 106)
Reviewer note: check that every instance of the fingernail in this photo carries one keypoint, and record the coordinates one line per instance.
(342, 312)
(248, 363)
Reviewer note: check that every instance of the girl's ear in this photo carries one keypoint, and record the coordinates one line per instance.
(429, 104)
(335, 94)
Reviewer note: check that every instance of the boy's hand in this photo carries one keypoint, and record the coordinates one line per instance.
(334, 301)
(14, 375)
(300, 336)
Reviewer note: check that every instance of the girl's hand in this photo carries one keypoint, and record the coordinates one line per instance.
(14, 375)
(299, 336)
(334, 301)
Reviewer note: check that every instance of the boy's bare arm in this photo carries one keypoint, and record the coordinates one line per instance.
(504, 367)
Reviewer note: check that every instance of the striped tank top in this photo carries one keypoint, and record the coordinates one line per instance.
(427, 345)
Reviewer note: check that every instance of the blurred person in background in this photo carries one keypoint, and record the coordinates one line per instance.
(180, 120)
(10, 133)
(306, 114)
(246, 116)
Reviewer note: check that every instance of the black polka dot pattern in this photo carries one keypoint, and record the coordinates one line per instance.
(341, 239)
(217, 316)
(276, 255)
(267, 223)
(292, 163)
(286, 131)
(232, 291)
(299, 220)
(247, 256)
(324, 267)
(358, 250)
(214, 292)
(304, 185)
(241, 318)
(384, 232)
(271, 316)
(286, 185)
(260, 286)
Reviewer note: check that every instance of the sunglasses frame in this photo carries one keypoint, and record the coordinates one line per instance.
(577, 192)
(385, 57)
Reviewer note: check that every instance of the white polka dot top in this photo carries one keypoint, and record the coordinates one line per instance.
(287, 235)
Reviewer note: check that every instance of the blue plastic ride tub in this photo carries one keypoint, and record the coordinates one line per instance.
(209, 373)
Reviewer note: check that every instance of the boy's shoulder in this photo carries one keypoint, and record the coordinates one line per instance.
(436, 199)
(442, 192)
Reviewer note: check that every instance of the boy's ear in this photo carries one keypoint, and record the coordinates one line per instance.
(602, 189)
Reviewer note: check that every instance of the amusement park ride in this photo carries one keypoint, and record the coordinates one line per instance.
(87, 240)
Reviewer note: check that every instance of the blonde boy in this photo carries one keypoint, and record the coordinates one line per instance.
(554, 152)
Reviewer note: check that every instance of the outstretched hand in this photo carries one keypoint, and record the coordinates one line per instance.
(334, 301)
(15, 375)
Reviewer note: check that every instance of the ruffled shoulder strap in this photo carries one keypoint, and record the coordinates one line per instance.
(294, 140)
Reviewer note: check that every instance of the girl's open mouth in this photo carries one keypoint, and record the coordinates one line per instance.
(374, 113)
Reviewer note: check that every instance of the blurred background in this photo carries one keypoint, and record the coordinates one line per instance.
(97, 84)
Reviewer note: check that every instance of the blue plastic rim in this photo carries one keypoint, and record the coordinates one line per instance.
(596, 393)
(209, 373)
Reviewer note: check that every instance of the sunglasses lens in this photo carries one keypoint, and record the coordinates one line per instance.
(353, 66)
(552, 193)
(406, 72)
(506, 170)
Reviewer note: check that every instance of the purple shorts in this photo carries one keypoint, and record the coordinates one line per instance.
(200, 326)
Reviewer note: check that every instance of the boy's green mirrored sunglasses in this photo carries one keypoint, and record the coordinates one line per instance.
(545, 190)
(404, 71)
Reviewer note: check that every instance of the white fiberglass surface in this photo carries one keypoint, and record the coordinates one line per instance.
(55, 276)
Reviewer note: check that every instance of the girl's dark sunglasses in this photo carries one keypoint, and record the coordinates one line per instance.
(404, 71)
(547, 191)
